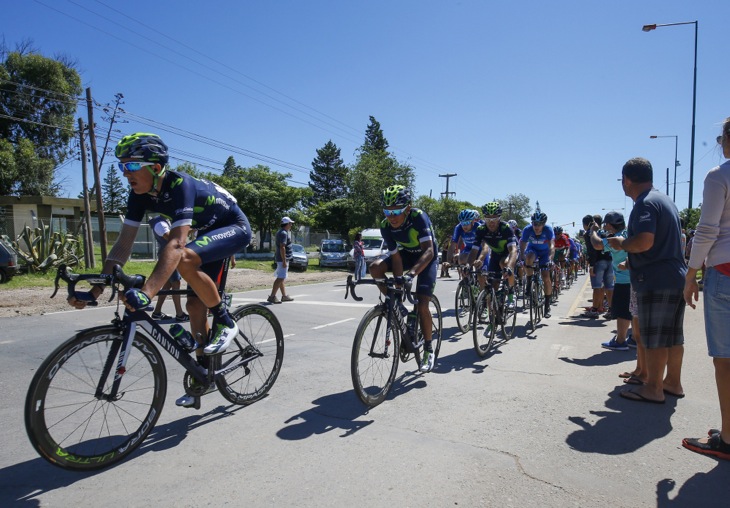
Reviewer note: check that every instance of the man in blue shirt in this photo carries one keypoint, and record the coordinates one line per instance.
(657, 269)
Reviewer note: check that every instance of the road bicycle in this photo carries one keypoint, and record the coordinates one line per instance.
(99, 394)
(491, 312)
(466, 294)
(556, 281)
(385, 335)
(536, 296)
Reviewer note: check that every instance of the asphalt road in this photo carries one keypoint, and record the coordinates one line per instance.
(538, 423)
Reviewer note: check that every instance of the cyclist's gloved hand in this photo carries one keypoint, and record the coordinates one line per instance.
(408, 278)
(508, 271)
(399, 281)
(136, 299)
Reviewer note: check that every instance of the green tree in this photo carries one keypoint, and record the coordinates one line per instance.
(375, 141)
(517, 207)
(328, 178)
(333, 216)
(39, 95)
(374, 170)
(230, 168)
(23, 172)
(264, 196)
(691, 217)
(113, 192)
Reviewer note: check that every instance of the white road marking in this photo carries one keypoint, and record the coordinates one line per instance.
(332, 324)
(309, 302)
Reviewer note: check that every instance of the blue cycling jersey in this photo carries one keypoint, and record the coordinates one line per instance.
(538, 243)
(468, 237)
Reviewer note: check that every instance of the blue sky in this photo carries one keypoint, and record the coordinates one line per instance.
(547, 99)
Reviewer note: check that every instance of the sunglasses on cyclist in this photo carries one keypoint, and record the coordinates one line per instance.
(393, 213)
(133, 166)
(491, 219)
(466, 223)
(538, 224)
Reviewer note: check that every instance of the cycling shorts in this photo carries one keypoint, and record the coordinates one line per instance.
(543, 256)
(426, 280)
(495, 261)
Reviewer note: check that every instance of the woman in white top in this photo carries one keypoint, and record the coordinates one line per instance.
(711, 244)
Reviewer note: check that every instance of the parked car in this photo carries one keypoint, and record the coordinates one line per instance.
(333, 253)
(8, 261)
(299, 259)
(374, 247)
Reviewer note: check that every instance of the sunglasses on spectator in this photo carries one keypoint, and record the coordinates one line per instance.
(393, 213)
(133, 166)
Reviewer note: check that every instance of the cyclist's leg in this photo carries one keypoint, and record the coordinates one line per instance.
(425, 285)
(380, 267)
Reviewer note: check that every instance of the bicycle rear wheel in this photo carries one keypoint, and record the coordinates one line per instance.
(72, 426)
(259, 352)
(484, 324)
(534, 304)
(374, 360)
(464, 301)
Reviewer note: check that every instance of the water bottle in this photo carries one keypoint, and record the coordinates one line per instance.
(183, 337)
(411, 323)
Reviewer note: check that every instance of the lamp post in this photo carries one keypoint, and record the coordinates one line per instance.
(649, 28)
(676, 163)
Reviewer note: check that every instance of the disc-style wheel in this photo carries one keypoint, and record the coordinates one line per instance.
(71, 420)
(374, 360)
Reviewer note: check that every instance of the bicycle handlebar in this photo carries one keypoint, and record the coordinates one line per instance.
(116, 278)
(389, 282)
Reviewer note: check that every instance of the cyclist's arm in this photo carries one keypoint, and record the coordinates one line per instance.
(512, 256)
(423, 261)
(168, 260)
(552, 249)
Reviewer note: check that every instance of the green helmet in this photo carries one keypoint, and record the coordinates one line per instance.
(396, 195)
(492, 208)
(142, 146)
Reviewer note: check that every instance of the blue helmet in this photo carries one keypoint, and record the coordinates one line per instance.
(468, 215)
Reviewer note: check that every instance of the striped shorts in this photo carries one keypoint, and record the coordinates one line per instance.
(661, 318)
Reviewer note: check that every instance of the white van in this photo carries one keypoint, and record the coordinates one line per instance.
(374, 247)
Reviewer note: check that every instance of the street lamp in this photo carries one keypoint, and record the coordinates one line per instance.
(676, 163)
(649, 28)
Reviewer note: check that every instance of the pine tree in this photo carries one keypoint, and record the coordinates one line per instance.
(375, 142)
(114, 193)
(328, 178)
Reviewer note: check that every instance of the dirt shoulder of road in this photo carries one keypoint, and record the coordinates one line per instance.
(37, 301)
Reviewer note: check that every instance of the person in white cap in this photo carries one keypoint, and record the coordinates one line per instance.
(282, 256)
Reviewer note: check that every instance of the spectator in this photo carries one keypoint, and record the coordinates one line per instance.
(161, 229)
(282, 256)
(657, 273)
(712, 243)
(600, 269)
(616, 227)
(358, 248)
(445, 265)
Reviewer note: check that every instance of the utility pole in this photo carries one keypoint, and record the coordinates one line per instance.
(89, 258)
(447, 176)
(97, 176)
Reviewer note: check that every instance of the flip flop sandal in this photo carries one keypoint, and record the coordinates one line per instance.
(633, 380)
(714, 446)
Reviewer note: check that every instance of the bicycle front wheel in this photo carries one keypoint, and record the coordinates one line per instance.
(70, 419)
(374, 360)
(463, 303)
(483, 324)
(434, 307)
(509, 320)
(251, 364)
(534, 297)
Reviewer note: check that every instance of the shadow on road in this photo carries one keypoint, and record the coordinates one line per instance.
(603, 357)
(21, 483)
(708, 490)
(337, 411)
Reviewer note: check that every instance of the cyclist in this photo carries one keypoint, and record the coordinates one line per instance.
(573, 256)
(500, 239)
(538, 242)
(562, 245)
(408, 234)
(191, 204)
(463, 236)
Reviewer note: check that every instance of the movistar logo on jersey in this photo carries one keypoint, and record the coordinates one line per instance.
(205, 240)
(212, 200)
(176, 182)
(183, 211)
